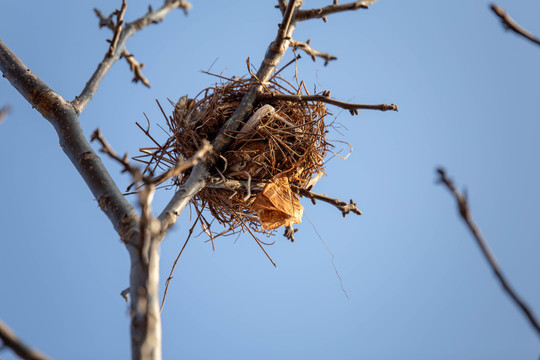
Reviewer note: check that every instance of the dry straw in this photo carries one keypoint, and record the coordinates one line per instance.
(282, 144)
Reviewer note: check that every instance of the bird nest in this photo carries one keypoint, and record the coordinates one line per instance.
(254, 183)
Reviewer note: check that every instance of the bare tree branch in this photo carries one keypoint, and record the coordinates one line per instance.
(80, 102)
(144, 274)
(510, 24)
(312, 52)
(10, 339)
(321, 13)
(353, 108)
(134, 65)
(465, 213)
(64, 118)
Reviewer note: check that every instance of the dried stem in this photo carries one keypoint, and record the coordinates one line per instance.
(10, 340)
(510, 24)
(80, 102)
(312, 52)
(465, 213)
(353, 108)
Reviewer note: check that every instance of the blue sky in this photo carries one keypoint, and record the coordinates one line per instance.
(419, 288)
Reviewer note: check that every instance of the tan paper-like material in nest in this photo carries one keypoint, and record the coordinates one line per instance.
(277, 205)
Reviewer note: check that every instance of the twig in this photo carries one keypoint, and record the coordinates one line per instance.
(331, 9)
(510, 24)
(124, 161)
(117, 28)
(465, 213)
(10, 339)
(344, 207)
(125, 294)
(353, 108)
(136, 68)
(312, 52)
(152, 17)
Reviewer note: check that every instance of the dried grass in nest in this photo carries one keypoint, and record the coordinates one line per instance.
(289, 142)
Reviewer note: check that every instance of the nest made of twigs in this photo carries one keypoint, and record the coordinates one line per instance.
(281, 139)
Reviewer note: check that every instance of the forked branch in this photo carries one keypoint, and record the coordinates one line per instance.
(118, 45)
(510, 24)
(465, 213)
(312, 52)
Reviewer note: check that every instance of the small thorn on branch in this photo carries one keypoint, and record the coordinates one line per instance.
(312, 52)
(125, 294)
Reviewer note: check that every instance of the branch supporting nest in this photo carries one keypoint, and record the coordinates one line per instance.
(510, 24)
(465, 213)
(325, 97)
(312, 52)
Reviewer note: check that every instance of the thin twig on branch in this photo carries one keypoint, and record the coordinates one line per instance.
(136, 69)
(321, 13)
(353, 108)
(465, 213)
(342, 206)
(10, 340)
(151, 17)
(510, 24)
(117, 28)
(312, 52)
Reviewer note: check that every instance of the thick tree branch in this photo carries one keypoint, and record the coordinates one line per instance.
(64, 118)
(510, 24)
(312, 52)
(321, 13)
(465, 213)
(11, 340)
(144, 274)
(353, 108)
(80, 102)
